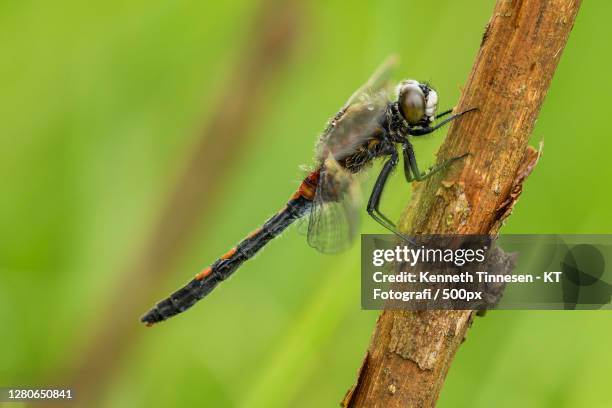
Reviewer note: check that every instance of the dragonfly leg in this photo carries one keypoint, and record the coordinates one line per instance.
(420, 131)
(374, 201)
(444, 113)
(411, 169)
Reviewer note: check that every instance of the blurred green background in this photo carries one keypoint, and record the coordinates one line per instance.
(107, 106)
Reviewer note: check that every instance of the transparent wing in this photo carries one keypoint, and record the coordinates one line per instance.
(377, 81)
(333, 222)
(334, 216)
(301, 225)
(360, 118)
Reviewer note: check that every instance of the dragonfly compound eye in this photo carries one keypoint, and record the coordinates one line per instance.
(412, 101)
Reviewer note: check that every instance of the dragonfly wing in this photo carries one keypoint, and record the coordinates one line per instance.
(378, 80)
(334, 215)
(301, 225)
(360, 118)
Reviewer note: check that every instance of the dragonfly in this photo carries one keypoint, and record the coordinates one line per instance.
(369, 126)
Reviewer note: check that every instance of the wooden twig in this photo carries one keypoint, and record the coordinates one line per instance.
(410, 352)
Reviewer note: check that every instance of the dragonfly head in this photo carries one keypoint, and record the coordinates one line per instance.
(417, 102)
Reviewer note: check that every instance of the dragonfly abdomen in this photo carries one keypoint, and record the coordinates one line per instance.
(205, 281)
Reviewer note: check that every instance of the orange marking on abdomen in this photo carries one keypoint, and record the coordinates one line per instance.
(308, 187)
(229, 253)
(296, 194)
(252, 234)
(204, 273)
(208, 270)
